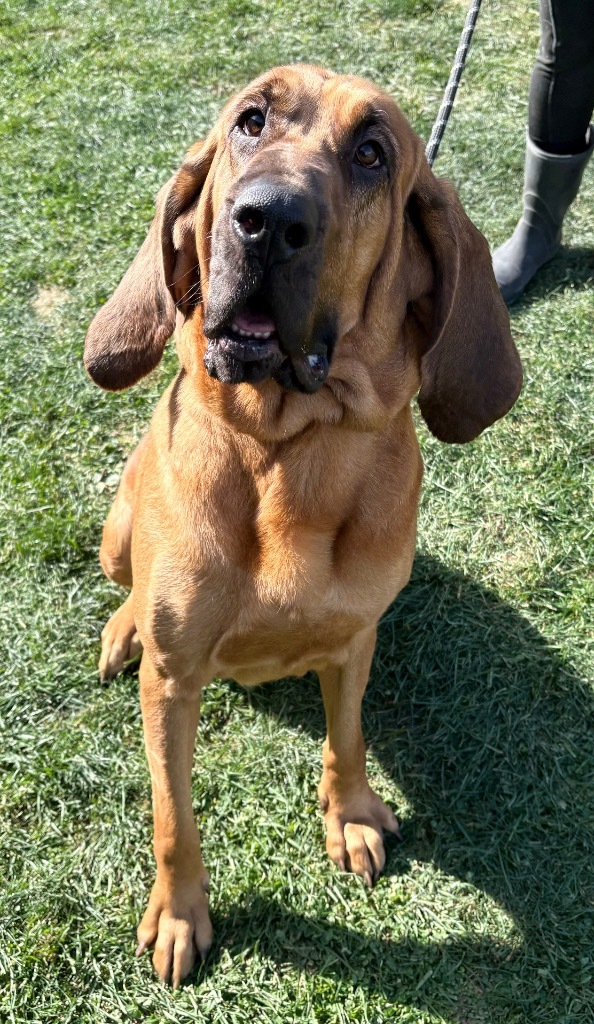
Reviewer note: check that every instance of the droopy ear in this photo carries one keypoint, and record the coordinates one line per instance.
(471, 373)
(125, 341)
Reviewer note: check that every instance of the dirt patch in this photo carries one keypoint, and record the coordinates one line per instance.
(48, 300)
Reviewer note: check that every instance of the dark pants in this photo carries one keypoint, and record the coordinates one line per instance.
(562, 86)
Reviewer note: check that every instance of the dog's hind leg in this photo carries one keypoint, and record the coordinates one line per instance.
(116, 544)
(119, 640)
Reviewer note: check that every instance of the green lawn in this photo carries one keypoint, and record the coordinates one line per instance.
(480, 711)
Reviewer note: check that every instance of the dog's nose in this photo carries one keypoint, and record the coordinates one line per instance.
(274, 222)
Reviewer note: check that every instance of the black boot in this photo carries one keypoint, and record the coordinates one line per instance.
(551, 183)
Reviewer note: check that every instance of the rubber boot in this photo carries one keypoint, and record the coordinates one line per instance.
(551, 183)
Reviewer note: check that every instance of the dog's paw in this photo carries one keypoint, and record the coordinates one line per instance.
(354, 832)
(120, 642)
(177, 924)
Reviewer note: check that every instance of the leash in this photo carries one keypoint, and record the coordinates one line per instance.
(453, 82)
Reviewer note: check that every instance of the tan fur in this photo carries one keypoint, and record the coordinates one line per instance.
(266, 531)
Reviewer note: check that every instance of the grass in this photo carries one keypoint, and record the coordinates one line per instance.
(480, 711)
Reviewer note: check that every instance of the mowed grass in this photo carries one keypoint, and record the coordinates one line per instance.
(480, 710)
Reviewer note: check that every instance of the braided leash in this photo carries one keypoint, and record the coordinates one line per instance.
(454, 81)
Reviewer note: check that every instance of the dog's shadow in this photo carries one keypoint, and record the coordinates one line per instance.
(489, 734)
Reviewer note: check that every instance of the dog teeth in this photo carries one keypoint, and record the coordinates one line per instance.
(260, 335)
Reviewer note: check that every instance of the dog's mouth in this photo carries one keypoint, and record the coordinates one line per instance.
(248, 348)
(252, 335)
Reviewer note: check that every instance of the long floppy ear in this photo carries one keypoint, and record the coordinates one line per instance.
(125, 340)
(471, 373)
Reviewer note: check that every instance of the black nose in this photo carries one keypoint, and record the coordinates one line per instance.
(274, 222)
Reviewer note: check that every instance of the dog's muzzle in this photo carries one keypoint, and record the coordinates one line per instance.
(264, 271)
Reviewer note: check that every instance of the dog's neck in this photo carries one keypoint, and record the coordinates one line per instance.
(357, 395)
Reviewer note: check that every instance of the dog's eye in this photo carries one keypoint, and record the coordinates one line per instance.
(369, 154)
(252, 122)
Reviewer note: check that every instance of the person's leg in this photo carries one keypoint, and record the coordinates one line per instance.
(559, 140)
(562, 86)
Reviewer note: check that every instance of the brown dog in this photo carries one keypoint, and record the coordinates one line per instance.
(317, 275)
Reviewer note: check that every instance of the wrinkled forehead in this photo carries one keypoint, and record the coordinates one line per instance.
(311, 101)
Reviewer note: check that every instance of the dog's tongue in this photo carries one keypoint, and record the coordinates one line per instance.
(254, 323)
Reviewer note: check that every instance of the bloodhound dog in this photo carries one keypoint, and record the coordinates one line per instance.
(317, 275)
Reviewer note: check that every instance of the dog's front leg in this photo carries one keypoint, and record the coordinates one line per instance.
(176, 919)
(355, 815)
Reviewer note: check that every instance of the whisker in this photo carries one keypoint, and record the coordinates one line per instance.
(194, 292)
(185, 274)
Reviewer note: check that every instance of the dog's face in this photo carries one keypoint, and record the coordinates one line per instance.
(309, 216)
(301, 198)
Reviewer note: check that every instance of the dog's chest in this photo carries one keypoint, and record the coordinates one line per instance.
(314, 576)
(292, 612)
(272, 566)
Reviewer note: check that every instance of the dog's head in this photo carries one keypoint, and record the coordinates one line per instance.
(306, 221)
